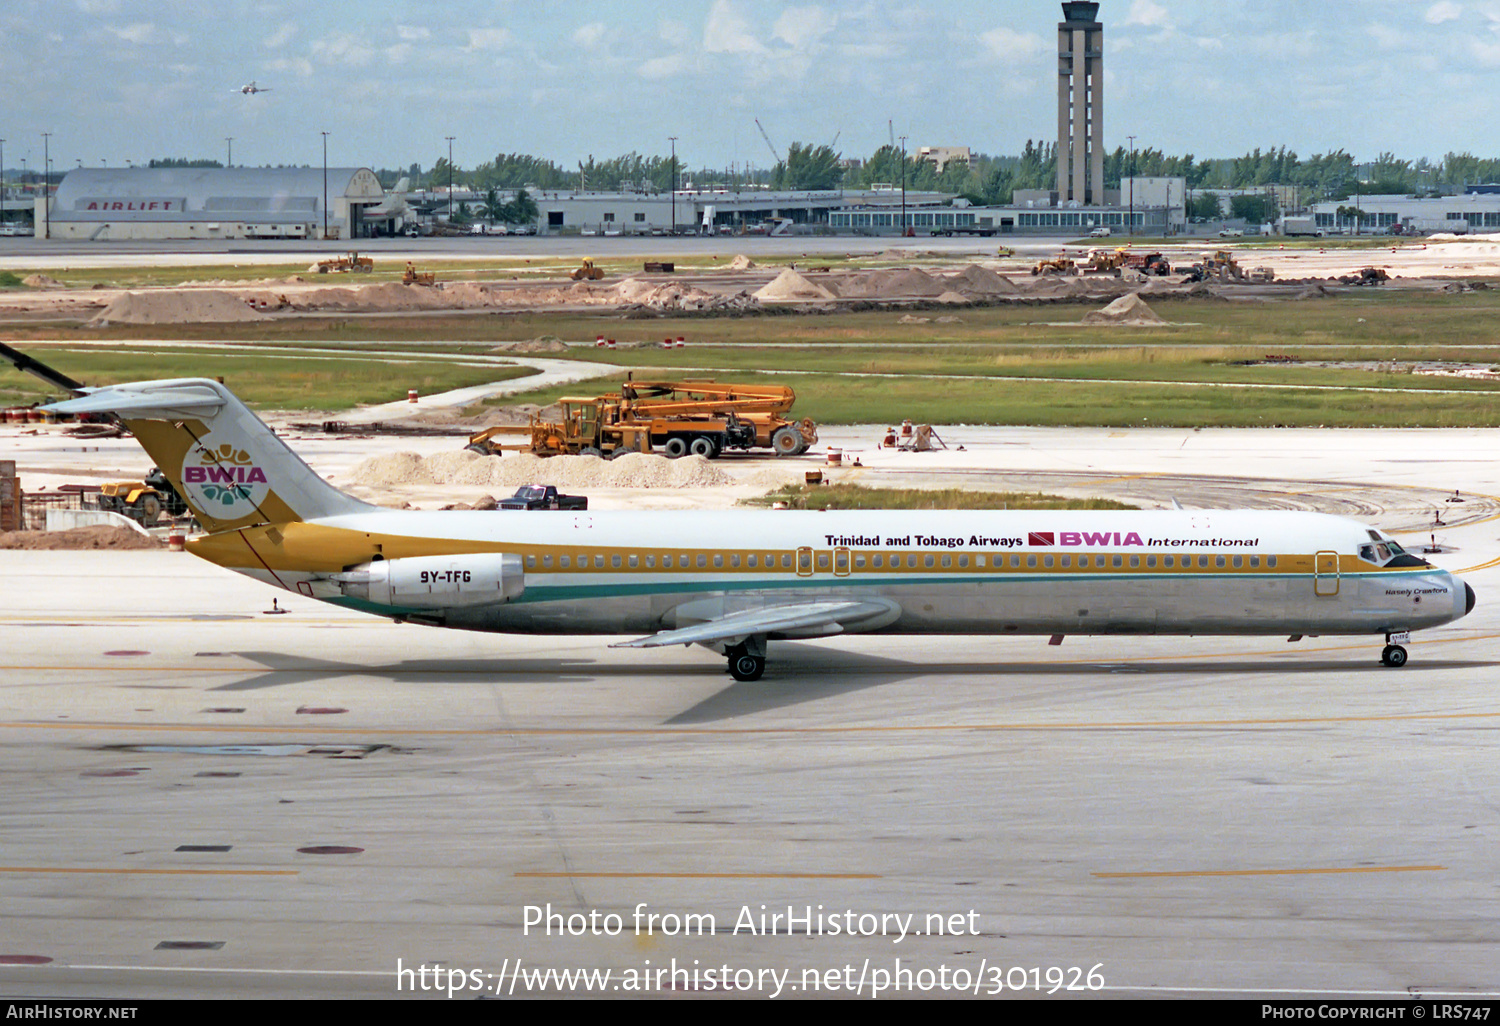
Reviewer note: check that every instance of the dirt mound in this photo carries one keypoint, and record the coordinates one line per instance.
(397, 468)
(171, 306)
(741, 263)
(953, 298)
(976, 280)
(912, 282)
(42, 281)
(79, 538)
(544, 344)
(465, 467)
(791, 285)
(1128, 310)
(388, 297)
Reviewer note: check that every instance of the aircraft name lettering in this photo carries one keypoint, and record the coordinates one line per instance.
(923, 541)
(223, 475)
(1416, 591)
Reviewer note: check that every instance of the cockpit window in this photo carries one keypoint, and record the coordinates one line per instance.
(1367, 553)
(1383, 551)
(1396, 550)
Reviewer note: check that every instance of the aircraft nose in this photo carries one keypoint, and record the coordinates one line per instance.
(1468, 599)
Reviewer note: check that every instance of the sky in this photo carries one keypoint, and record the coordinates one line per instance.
(129, 80)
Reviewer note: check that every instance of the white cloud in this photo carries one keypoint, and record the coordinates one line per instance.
(299, 66)
(1486, 52)
(1388, 38)
(282, 35)
(344, 49)
(1008, 44)
(412, 33)
(489, 38)
(1148, 13)
(804, 27)
(726, 30)
(1444, 10)
(675, 33)
(662, 67)
(590, 35)
(141, 32)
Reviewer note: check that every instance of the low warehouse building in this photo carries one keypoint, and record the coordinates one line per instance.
(218, 203)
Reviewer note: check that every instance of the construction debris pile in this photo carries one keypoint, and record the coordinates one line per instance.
(465, 467)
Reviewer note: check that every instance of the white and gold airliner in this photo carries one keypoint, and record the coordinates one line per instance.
(733, 580)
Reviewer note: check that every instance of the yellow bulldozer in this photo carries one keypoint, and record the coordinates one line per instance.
(586, 272)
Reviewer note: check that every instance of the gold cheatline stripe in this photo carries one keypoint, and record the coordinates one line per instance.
(699, 876)
(1273, 872)
(151, 872)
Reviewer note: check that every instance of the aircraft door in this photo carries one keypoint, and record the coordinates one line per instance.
(1326, 574)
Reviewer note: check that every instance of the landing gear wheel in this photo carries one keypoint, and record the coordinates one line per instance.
(676, 446)
(704, 446)
(1394, 656)
(149, 508)
(744, 666)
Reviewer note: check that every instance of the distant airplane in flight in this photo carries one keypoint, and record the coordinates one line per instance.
(252, 89)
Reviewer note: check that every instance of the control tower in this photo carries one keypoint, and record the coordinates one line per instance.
(1080, 105)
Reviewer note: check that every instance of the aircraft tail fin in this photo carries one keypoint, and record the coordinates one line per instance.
(228, 466)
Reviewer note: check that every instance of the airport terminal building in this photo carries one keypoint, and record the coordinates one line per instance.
(106, 204)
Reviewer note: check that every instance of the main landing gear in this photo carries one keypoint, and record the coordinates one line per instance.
(1394, 655)
(747, 660)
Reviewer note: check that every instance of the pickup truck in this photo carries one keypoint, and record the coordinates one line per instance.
(543, 497)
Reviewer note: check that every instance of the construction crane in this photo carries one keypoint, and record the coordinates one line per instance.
(776, 157)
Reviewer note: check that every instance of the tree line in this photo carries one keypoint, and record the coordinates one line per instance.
(985, 179)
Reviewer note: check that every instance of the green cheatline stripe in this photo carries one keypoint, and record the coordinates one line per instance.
(563, 592)
(537, 593)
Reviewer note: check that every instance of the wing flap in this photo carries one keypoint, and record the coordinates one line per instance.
(825, 617)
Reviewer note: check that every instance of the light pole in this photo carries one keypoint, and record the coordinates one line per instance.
(325, 185)
(673, 140)
(450, 178)
(2, 176)
(1132, 183)
(903, 186)
(47, 181)
(229, 158)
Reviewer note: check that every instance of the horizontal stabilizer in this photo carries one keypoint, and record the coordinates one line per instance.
(828, 617)
(148, 400)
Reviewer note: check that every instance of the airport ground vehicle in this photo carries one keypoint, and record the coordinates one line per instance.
(414, 277)
(350, 262)
(543, 497)
(142, 501)
(1055, 265)
(1302, 226)
(703, 418)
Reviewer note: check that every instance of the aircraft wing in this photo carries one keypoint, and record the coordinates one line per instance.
(827, 617)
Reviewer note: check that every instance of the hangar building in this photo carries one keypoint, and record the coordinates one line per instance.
(216, 203)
